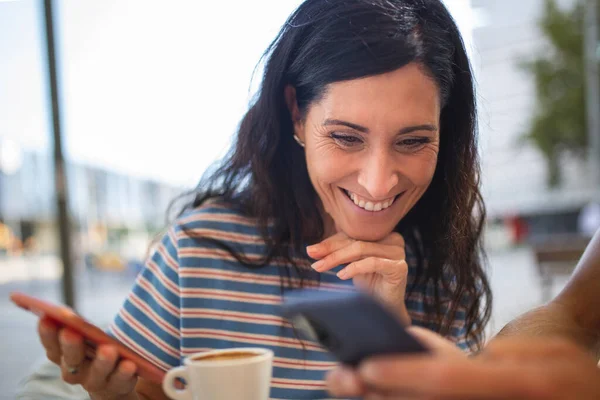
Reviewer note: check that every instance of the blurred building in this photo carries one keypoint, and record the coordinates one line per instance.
(105, 206)
(514, 173)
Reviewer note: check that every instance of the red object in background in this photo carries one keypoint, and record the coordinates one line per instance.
(518, 229)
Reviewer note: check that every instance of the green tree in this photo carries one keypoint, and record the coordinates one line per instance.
(559, 121)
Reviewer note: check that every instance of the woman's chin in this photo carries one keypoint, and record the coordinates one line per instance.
(365, 235)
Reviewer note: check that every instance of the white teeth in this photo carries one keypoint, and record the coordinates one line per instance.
(369, 205)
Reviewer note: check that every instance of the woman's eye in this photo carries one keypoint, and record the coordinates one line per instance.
(414, 142)
(346, 140)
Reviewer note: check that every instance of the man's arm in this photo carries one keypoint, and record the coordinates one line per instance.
(575, 313)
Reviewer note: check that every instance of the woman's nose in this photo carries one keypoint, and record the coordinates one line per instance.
(379, 176)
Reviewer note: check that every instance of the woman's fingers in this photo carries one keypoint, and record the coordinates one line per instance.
(73, 356)
(104, 374)
(344, 382)
(328, 246)
(48, 332)
(123, 379)
(356, 251)
(394, 271)
(101, 368)
(435, 342)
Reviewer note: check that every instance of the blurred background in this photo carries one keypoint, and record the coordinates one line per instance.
(149, 94)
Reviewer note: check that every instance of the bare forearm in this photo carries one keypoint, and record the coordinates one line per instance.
(575, 313)
(581, 295)
(553, 320)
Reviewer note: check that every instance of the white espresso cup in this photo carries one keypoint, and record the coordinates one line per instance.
(232, 374)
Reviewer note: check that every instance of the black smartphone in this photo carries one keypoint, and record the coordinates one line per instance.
(351, 325)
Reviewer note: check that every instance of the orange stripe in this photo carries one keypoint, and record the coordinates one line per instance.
(140, 350)
(169, 261)
(249, 277)
(220, 234)
(250, 338)
(301, 364)
(154, 316)
(216, 217)
(149, 335)
(156, 295)
(225, 255)
(159, 274)
(225, 315)
(231, 295)
(297, 384)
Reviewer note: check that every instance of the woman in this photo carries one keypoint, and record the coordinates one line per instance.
(360, 143)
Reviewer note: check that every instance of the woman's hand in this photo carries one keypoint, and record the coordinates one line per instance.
(378, 268)
(513, 368)
(103, 376)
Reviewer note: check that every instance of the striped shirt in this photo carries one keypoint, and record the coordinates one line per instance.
(193, 296)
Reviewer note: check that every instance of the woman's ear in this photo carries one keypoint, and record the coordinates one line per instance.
(292, 105)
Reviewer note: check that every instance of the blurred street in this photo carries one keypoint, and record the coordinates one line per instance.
(514, 281)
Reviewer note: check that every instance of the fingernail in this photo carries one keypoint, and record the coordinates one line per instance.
(44, 328)
(368, 371)
(312, 248)
(350, 384)
(345, 380)
(63, 338)
(317, 265)
(342, 274)
(100, 356)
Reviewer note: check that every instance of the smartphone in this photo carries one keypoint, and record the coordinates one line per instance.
(64, 316)
(351, 325)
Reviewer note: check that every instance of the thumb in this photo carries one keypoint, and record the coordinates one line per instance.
(435, 342)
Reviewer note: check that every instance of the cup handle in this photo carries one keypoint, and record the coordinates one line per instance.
(169, 384)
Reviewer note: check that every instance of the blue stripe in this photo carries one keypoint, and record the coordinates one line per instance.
(236, 286)
(280, 351)
(300, 374)
(144, 343)
(147, 297)
(234, 326)
(152, 326)
(299, 394)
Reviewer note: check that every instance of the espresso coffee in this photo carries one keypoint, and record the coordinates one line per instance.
(209, 375)
(234, 355)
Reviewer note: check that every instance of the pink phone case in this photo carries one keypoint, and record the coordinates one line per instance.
(66, 317)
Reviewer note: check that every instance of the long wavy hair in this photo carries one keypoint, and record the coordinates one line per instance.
(265, 173)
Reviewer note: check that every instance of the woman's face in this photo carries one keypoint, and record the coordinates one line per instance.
(371, 148)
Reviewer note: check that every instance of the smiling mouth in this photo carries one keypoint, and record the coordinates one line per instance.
(369, 205)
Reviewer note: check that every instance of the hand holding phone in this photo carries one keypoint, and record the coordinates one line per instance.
(351, 325)
(64, 317)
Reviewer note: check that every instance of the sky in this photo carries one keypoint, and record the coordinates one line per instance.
(147, 89)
